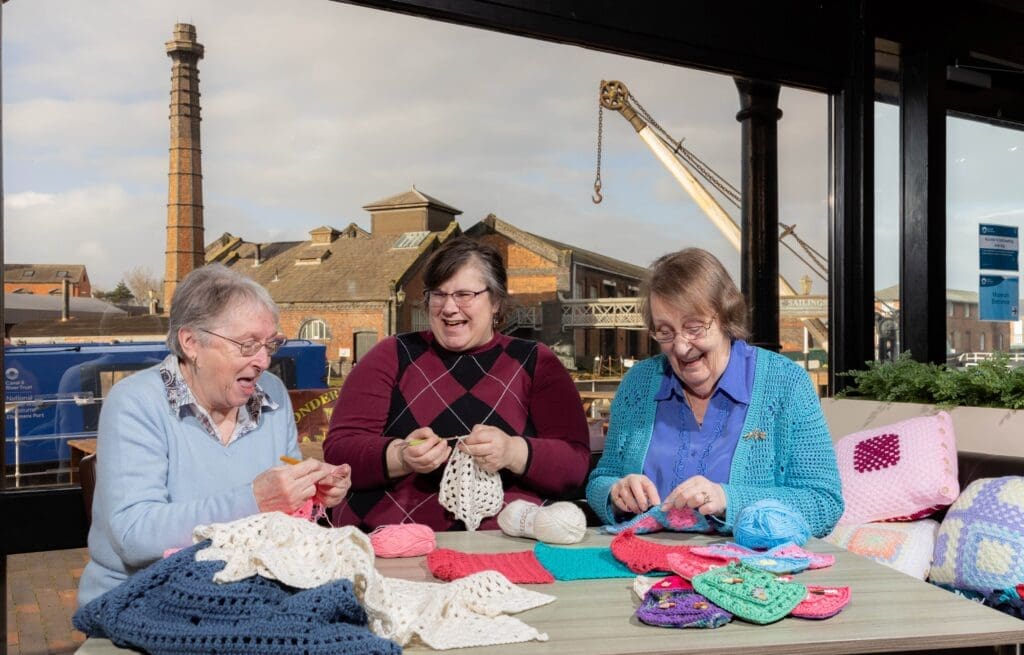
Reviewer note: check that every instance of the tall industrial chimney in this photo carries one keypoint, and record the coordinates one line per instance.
(185, 245)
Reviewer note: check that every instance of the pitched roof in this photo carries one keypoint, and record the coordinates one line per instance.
(408, 200)
(44, 273)
(953, 295)
(19, 307)
(355, 267)
(556, 250)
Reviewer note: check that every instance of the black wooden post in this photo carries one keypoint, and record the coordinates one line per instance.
(759, 253)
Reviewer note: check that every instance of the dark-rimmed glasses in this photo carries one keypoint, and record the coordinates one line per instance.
(463, 297)
(691, 332)
(252, 346)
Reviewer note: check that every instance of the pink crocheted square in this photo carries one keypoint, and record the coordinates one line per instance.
(520, 567)
(822, 602)
(905, 469)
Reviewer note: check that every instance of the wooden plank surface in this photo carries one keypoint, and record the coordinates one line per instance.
(888, 612)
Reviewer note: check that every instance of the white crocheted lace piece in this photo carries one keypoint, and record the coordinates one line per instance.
(469, 492)
(471, 611)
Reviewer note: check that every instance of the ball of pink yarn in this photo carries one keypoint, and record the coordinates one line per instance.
(403, 540)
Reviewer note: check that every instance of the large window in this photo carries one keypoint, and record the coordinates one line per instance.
(86, 154)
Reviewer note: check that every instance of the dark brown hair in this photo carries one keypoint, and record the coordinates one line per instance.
(695, 282)
(456, 253)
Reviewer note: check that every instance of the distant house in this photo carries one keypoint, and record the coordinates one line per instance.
(351, 287)
(43, 279)
(348, 288)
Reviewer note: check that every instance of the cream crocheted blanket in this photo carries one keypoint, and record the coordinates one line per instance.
(471, 611)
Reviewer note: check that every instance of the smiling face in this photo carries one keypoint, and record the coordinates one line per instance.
(219, 376)
(698, 363)
(463, 328)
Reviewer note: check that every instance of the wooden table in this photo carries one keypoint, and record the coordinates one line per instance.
(889, 612)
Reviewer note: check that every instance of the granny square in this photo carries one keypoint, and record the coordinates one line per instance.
(905, 470)
(980, 545)
(748, 593)
(822, 602)
(678, 608)
(906, 547)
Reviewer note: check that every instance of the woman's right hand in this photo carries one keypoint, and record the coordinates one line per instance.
(635, 494)
(421, 452)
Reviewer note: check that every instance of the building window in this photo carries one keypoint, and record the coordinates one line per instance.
(949, 309)
(62, 274)
(967, 310)
(981, 342)
(419, 319)
(363, 342)
(314, 330)
(28, 273)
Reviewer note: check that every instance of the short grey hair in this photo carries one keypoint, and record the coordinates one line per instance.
(203, 297)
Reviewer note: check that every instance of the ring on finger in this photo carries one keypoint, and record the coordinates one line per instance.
(705, 497)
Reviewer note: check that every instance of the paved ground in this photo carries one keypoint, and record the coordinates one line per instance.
(41, 590)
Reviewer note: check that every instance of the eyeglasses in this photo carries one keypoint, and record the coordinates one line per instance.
(252, 346)
(691, 332)
(462, 297)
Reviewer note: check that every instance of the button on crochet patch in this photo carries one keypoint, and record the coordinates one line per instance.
(748, 593)
(822, 602)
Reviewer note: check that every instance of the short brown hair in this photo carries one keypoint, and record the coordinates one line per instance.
(455, 253)
(693, 280)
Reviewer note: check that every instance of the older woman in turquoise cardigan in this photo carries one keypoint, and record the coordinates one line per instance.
(712, 423)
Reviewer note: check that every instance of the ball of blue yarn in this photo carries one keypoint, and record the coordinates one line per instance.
(769, 523)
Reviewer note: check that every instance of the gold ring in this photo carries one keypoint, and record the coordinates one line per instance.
(707, 498)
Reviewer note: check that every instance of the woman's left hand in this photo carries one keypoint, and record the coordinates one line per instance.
(494, 450)
(332, 489)
(698, 492)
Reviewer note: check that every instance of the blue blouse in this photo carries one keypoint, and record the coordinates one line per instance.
(681, 449)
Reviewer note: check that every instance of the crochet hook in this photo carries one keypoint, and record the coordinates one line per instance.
(289, 460)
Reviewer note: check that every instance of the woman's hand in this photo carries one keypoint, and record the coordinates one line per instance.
(634, 493)
(699, 493)
(285, 488)
(332, 489)
(493, 450)
(420, 452)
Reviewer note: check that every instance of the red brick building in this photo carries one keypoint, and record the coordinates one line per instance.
(46, 279)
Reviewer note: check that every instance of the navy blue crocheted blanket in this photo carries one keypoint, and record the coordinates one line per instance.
(175, 607)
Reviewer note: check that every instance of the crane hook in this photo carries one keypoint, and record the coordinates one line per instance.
(597, 197)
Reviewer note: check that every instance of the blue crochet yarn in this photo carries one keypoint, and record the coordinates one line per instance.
(769, 523)
(580, 563)
(175, 608)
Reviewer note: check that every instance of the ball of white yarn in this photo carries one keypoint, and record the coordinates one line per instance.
(559, 523)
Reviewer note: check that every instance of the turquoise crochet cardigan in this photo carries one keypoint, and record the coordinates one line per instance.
(784, 452)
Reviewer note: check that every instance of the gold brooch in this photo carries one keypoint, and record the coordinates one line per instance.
(757, 434)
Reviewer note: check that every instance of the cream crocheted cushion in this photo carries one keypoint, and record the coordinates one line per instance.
(469, 492)
(471, 611)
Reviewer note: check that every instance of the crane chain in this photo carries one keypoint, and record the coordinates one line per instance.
(597, 197)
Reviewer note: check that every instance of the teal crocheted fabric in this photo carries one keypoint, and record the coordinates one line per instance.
(785, 452)
(580, 563)
(175, 608)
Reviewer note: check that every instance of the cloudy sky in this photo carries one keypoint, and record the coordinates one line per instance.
(313, 109)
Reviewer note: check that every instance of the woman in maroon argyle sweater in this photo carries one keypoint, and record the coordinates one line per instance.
(406, 400)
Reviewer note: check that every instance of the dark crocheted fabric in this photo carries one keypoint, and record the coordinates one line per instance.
(174, 607)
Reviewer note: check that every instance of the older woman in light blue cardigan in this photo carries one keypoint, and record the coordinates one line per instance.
(712, 423)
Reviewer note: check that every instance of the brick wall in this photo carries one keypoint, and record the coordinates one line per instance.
(342, 324)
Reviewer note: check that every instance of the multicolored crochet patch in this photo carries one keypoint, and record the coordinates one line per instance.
(980, 545)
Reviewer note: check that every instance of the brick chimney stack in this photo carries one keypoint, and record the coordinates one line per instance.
(185, 245)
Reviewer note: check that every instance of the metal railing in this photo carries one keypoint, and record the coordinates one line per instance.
(602, 312)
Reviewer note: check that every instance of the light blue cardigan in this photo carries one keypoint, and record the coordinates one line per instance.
(784, 452)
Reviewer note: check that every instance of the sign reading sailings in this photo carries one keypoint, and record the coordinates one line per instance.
(998, 298)
(998, 247)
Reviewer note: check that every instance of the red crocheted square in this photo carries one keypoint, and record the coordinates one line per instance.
(643, 556)
(520, 567)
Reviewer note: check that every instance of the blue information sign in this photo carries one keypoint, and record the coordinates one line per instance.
(998, 297)
(998, 247)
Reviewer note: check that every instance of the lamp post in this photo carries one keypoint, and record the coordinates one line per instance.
(396, 296)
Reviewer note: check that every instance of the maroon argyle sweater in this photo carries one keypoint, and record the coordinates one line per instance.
(409, 381)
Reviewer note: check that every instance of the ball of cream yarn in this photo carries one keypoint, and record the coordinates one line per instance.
(558, 523)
